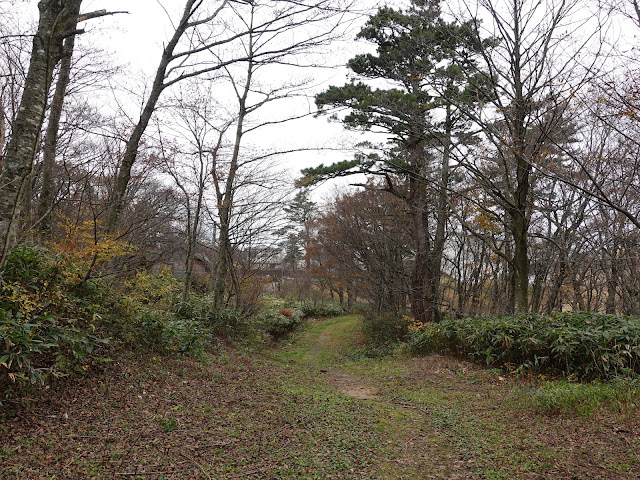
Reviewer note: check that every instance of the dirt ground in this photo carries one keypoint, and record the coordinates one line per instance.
(310, 408)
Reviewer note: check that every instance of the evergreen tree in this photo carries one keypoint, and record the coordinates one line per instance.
(426, 61)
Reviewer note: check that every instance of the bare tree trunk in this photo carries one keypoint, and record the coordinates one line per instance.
(117, 199)
(555, 299)
(225, 202)
(441, 218)
(518, 211)
(193, 227)
(520, 229)
(222, 265)
(3, 131)
(47, 191)
(212, 275)
(612, 282)
(57, 22)
(421, 304)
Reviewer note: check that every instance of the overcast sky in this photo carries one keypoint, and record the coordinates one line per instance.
(137, 39)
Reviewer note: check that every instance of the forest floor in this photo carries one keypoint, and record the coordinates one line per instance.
(313, 407)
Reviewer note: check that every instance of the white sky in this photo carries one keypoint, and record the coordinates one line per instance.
(137, 39)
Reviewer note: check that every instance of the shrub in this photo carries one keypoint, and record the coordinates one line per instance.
(279, 322)
(384, 329)
(46, 317)
(228, 322)
(40, 347)
(581, 345)
(322, 310)
(161, 289)
(150, 315)
(157, 330)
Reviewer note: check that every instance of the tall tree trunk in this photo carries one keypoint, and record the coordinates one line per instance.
(225, 199)
(47, 191)
(520, 230)
(222, 265)
(421, 277)
(57, 21)
(441, 218)
(3, 130)
(117, 200)
(612, 282)
(350, 298)
(212, 273)
(554, 301)
(518, 209)
(225, 202)
(193, 226)
(509, 275)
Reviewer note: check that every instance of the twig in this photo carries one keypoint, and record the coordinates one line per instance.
(196, 464)
(632, 448)
(133, 474)
(250, 472)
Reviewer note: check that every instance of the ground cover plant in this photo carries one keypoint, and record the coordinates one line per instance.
(572, 344)
(55, 323)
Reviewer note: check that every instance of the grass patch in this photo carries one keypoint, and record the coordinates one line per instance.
(563, 397)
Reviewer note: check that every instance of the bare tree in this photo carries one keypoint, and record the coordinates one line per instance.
(57, 22)
(200, 45)
(534, 69)
(188, 160)
(362, 244)
(271, 41)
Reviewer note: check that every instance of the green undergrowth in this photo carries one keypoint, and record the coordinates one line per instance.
(383, 330)
(476, 412)
(278, 317)
(281, 412)
(584, 399)
(572, 344)
(55, 322)
(49, 319)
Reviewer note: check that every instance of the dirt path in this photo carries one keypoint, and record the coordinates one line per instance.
(417, 449)
(450, 419)
(330, 345)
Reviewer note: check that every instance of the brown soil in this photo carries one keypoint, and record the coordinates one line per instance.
(352, 386)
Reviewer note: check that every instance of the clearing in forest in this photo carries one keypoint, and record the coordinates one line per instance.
(315, 407)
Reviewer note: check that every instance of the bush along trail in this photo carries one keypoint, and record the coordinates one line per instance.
(320, 405)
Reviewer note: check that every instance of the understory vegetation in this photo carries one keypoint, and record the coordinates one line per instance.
(571, 344)
(54, 324)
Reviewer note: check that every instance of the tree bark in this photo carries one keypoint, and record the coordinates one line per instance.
(441, 218)
(57, 22)
(518, 211)
(421, 277)
(225, 203)
(47, 191)
(612, 282)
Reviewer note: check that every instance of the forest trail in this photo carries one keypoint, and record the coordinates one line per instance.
(315, 406)
(448, 418)
(418, 450)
